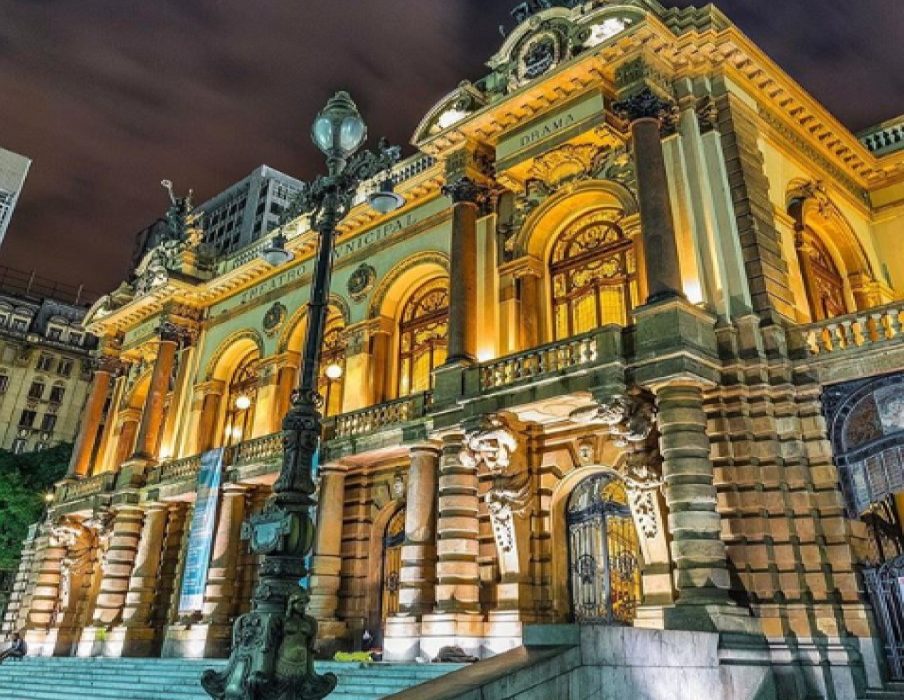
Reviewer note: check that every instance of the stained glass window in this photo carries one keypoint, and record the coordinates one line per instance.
(825, 287)
(423, 329)
(241, 400)
(594, 274)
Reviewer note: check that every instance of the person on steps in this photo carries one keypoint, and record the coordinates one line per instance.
(16, 650)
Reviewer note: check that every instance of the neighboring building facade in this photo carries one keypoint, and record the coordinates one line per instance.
(13, 170)
(45, 364)
(627, 356)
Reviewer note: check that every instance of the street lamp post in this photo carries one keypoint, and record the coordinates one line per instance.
(272, 646)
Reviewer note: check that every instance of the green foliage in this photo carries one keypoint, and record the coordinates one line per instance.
(24, 479)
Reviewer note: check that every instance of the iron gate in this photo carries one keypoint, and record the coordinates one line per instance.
(886, 591)
(603, 552)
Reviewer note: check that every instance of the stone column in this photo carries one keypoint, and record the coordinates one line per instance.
(219, 594)
(418, 572)
(465, 194)
(267, 418)
(205, 416)
(457, 618)
(116, 567)
(128, 428)
(137, 634)
(149, 434)
(80, 463)
(286, 383)
(174, 411)
(646, 110)
(698, 552)
(107, 447)
(326, 564)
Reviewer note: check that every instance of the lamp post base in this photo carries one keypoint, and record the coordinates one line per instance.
(273, 645)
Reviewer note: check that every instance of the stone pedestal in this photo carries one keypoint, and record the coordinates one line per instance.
(701, 565)
(138, 633)
(460, 629)
(116, 566)
(417, 575)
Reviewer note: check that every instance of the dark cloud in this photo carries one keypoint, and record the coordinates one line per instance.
(110, 96)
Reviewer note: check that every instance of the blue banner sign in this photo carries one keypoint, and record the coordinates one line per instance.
(200, 538)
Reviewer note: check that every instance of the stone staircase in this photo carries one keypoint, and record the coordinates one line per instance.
(69, 678)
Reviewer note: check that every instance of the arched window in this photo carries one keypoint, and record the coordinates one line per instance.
(594, 274)
(423, 329)
(332, 368)
(603, 552)
(822, 280)
(241, 399)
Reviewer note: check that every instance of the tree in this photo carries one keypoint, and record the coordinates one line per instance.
(24, 480)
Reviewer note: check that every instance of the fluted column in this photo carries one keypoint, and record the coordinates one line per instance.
(326, 564)
(646, 111)
(80, 464)
(149, 434)
(419, 550)
(465, 194)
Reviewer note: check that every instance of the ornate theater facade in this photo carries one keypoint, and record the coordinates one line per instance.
(631, 354)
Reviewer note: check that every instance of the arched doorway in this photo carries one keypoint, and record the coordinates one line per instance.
(603, 552)
(393, 538)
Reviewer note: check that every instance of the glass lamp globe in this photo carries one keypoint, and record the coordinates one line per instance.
(338, 130)
(243, 402)
(275, 253)
(385, 200)
(334, 371)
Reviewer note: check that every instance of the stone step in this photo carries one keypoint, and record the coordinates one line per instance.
(70, 678)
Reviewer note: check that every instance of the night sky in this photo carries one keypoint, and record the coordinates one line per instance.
(110, 96)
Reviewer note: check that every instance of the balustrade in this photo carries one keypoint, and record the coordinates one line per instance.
(83, 488)
(259, 449)
(369, 420)
(539, 362)
(868, 328)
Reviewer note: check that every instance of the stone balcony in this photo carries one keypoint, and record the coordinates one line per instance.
(854, 346)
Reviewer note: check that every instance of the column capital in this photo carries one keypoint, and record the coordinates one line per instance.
(171, 332)
(428, 447)
(464, 190)
(646, 104)
(525, 266)
(213, 386)
(110, 364)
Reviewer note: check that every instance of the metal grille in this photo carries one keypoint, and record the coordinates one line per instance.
(886, 590)
(392, 563)
(603, 553)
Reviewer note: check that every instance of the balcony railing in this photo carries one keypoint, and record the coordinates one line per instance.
(539, 362)
(259, 449)
(179, 469)
(870, 328)
(384, 415)
(83, 488)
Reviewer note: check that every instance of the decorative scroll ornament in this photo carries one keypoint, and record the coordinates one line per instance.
(78, 542)
(274, 319)
(362, 280)
(495, 447)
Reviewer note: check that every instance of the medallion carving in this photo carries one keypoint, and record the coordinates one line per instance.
(360, 283)
(274, 319)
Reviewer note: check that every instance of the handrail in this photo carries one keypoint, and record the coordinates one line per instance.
(867, 328)
(374, 418)
(539, 361)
